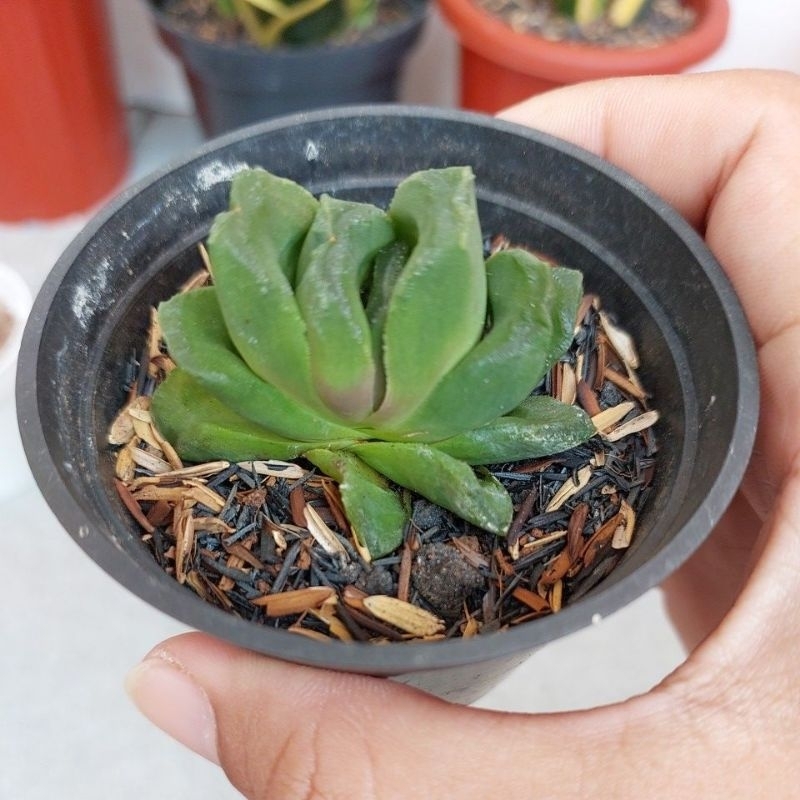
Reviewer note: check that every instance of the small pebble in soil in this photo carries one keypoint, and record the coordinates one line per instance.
(610, 396)
(428, 515)
(443, 577)
(377, 580)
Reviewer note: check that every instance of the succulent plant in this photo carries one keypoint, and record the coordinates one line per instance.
(620, 13)
(297, 22)
(376, 344)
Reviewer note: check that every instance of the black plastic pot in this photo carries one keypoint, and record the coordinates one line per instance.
(645, 262)
(235, 84)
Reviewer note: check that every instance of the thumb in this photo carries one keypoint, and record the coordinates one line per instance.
(283, 731)
(286, 732)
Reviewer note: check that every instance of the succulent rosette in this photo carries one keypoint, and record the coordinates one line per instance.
(379, 345)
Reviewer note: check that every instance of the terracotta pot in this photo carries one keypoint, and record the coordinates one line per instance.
(632, 248)
(63, 141)
(500, 67)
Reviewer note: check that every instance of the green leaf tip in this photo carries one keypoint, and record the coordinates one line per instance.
(442, 479)
(374, 511)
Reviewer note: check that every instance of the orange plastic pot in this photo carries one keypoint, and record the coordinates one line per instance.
(500, 66)
(63, 141)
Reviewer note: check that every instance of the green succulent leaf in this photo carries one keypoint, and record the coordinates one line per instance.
(388, 265)
(442, 479)
(532, 306)
(373, 509)
(438, 306)
(198, 341)
(253, 250)
(540, 426)
(201, 428)
(334, 264)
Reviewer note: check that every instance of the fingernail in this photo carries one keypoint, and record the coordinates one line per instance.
(172, 700)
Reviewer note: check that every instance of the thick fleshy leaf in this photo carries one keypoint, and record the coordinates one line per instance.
(446, 481)
(201, 428)
(532, 309)
(253, 250)
(198, 342)
(334, 264)
(540, 426)
(388, 266)
(438, 307)
(373, 509)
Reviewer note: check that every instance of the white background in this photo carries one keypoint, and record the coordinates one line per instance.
(69, 633)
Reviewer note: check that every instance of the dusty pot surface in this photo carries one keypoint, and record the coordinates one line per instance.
(501, 66)
(634, 250)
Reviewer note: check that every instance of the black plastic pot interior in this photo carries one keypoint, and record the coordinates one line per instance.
(648, 266)
(234, 84)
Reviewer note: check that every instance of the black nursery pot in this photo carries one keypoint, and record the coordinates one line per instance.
(647, 264)
(235, 84)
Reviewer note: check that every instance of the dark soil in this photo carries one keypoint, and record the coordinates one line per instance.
(663, 20)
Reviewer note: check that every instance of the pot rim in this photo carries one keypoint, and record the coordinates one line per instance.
(86, 526)
(563, 62)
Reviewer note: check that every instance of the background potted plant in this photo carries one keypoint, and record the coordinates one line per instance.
(503, 63)
(699, 357)
(246, 60)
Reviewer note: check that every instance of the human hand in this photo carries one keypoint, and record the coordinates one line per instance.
(722, 148)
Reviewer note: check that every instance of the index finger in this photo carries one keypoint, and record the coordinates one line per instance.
(722, 149)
